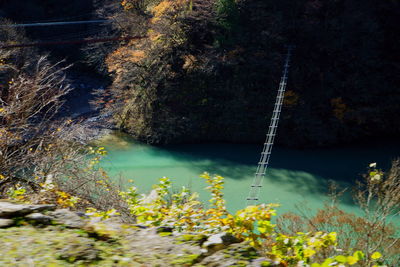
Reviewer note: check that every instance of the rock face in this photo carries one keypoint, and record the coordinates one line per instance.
(9, 210)
(39, 218)
(67, 218)
(80, 252)
(239, 254)
(48, 237)
(219, 241)
(6, 222)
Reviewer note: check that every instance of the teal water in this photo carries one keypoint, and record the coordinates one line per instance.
(295, 177)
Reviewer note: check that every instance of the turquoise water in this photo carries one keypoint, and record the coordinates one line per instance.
(295, 177)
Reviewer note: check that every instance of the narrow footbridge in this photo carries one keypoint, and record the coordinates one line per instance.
(58, 37)
(256, 186)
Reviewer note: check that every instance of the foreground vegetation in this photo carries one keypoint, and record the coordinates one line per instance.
(182, 218)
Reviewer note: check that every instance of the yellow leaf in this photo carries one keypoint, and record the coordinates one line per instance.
(351, 260)
(309, 252)
(376, 255)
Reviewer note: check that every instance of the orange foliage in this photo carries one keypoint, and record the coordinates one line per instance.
(136, 55)
(128, 4)
(162, 8)
(123, 54)
(166, 6)
(190, 61)
(153, 35)
(291, 98)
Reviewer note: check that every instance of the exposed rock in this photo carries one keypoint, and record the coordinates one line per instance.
(163, 249)
(6, 223)
(10, 210)
(79, 252)
(261, 262)
(241, 254)
(39, 218)
(219, 241)
(111, 242)
(68, 218)
(106, 229)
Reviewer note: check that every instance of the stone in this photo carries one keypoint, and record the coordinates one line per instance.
(261, 262)
(238, 254)
(11, 210)
(67, 218)
(148, 242)
(6, 223)
(219, 241)
(39, 218)
(219, 259)
(79, 252)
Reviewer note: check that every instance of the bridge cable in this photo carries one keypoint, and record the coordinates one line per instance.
(54, 23)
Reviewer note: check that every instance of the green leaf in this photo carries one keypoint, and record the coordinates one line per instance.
(359, 255)
(327, 262)
(341, 259)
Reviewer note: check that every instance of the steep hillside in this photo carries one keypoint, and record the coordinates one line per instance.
(209, 70)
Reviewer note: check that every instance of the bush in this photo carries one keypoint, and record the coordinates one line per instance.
(378, 196)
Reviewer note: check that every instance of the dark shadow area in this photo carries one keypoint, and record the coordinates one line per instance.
(343, 164)
(78, 100)
(40, 11)
(84, 78)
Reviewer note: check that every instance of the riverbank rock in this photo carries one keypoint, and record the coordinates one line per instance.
(219, 241)
(239, 254)
(39, 218)
(67, 218)
(6, 223)
(9, 210)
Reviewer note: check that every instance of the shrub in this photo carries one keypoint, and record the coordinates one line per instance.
(378, 196)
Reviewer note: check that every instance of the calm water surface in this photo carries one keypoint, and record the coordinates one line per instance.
(295, 176)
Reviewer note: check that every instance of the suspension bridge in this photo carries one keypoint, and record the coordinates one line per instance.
(53, 23)
(255, 188)
(65, 39)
